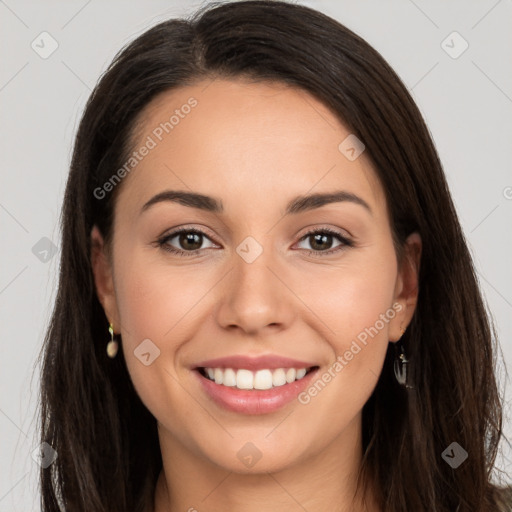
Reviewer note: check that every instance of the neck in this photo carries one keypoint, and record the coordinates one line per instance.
(326, 481)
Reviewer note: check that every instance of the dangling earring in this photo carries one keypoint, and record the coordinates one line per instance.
(112, 345)
(400, 363)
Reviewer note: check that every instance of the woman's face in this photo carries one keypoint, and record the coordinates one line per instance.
(260, 296)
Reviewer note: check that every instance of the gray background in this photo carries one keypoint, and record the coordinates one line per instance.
(467, 103)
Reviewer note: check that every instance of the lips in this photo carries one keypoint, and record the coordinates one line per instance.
(260, 379)
(253, 385)
(263, 362)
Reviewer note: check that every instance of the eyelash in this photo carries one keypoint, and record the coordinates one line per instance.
(162, 242)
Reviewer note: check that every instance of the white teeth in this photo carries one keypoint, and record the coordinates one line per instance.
(261, 379)
(244, 379)
(229, 377)
(290, 375)
(219, 375)
(279, 377)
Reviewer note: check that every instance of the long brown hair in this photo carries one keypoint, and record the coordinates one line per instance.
(106, 440)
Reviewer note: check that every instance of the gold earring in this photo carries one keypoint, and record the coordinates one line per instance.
(112, 346)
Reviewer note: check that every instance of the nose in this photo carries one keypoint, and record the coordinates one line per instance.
(255, 297)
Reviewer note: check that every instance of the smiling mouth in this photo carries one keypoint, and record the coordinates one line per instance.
(263, 379)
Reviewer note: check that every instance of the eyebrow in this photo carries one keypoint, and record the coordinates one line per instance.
(297, 205)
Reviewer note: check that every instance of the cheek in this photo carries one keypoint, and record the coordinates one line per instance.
(155, 298)
(357, 308)
(155, 304)
(352, 298)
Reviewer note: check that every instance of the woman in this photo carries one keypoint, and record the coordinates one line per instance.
(322, 343)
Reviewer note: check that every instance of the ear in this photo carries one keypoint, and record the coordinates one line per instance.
(103, 277)
(406, 289)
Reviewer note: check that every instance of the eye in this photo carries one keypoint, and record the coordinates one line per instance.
(322, 239)
(189, 239)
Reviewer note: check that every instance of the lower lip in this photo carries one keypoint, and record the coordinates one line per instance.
(254, 401)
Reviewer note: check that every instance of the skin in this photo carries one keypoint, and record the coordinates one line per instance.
(255, 146)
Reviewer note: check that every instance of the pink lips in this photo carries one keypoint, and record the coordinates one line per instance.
(253, 401)
(254, 363)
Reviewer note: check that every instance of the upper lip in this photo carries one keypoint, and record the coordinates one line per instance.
(254, 363)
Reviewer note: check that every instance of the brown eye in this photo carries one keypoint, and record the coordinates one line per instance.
(321, 242)
(188, 242)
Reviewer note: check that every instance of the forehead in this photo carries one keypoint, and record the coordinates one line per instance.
(226, 137)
